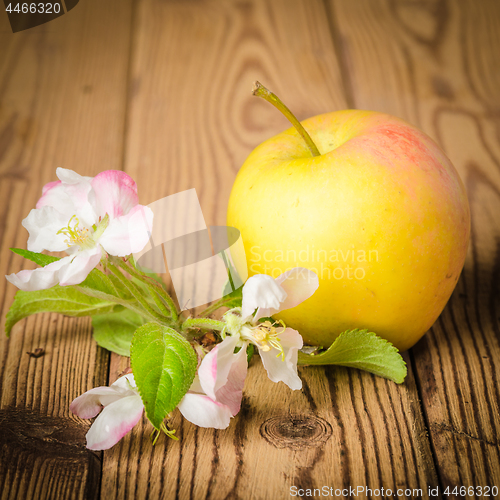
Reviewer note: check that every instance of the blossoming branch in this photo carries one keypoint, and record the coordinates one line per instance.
(99, 223)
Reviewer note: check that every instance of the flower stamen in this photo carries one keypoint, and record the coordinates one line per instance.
(266, 337)
(75, 235)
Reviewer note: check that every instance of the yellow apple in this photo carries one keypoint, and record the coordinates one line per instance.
(380, 215)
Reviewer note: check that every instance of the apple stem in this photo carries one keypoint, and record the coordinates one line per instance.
(261, 91)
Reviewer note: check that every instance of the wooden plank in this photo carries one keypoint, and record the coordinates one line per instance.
(192, 121)
(437, 65)
(62, 103)
(192, 118)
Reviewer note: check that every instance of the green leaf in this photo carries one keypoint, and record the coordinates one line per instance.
(250, 352)
(235, 297)
(114, 331)
(363, 350)
(97, 285)
(145, 291)
(60, 299)
(268, 318)
(103, 286)
(164, 365)
(39, 258)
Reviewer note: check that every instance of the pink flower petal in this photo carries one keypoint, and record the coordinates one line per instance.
(261, 292)
(231, 392)
(57, 197)
(40, 278)
(214, 370)
(115, 420)
(81, 265)
(49, 186)
(114, 193)
(129, 233)
(205, 412)
(284, 371)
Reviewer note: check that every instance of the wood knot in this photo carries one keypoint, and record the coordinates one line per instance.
(39, 351)
(296, 431)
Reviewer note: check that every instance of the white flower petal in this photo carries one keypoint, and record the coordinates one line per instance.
(70, 270)
(284, 371)
(261, 291)
(114, 422)
(214, 369)
(40, 278)
(70, 177)
(299, 284)
(114, 193)
(196, 386)
(204, 412)
(125, 383)
(129, 233)
(70, 197)
(81, 265)
(89, 404)
(43, 225)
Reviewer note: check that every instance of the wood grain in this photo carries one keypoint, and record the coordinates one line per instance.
(161, 89)
(62, 103)
(192, 118)
(432, 63)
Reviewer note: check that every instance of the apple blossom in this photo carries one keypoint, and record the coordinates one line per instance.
(210, 402)
(86, 217)
(278, 345)
(122, 410)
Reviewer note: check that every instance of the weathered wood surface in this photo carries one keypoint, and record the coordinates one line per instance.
(161, 89)
(63, 102)
(437, 66)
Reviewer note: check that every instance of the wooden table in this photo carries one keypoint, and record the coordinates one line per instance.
(161, 89)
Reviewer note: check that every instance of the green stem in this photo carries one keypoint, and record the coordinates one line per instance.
(261, 91)
(203, 323)
(138, 296)
(216, 305)
(221, 302)
(154, 287)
